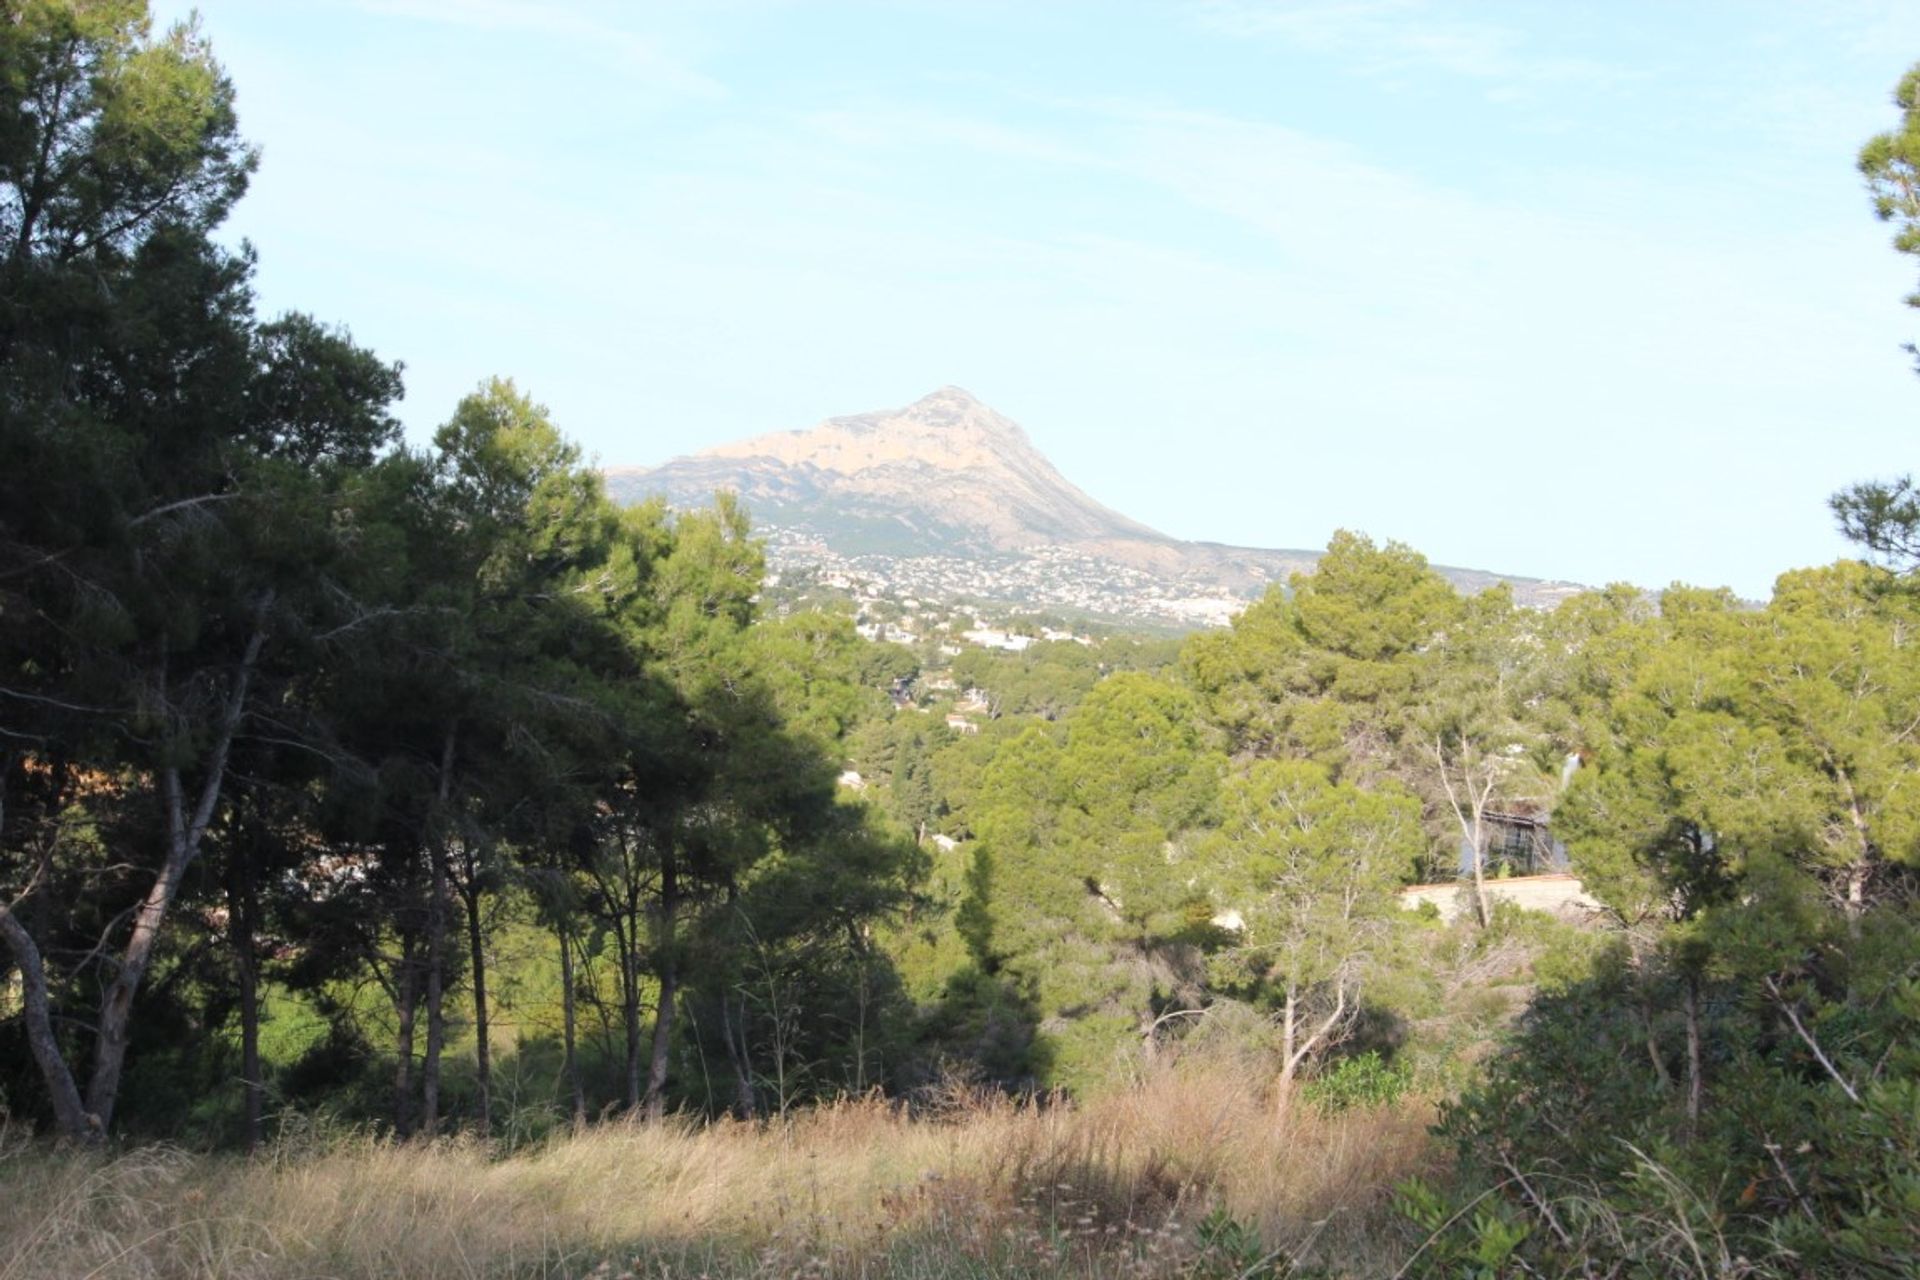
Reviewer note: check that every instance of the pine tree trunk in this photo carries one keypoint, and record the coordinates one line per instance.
(1695, 1085)
(241, 910)
(477, 957)
(630, 1021)
(1289, 1035)
(1480, 884)
(1857, 873)
(436, 947)
(666, 967)
(744, 1103)
(406, 1002)
(185, 831)
(69, 1114)
(75, 1124)
(662, 1050)
(40, 923)
(115, 1024)
(568, 1023)
(1653, 1047)
(436, 992)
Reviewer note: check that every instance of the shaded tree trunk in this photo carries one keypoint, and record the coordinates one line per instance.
(1653, 1046)
(1695, 1084)
(568, 1021)
(661, 1053)
(69, 1115)
(72, 1118)
(1861, 868)
(477, 958)
(617, 906)
(745, 1105)
(436, 992)
(436, 946)
(186, 831)
(40, 922)
(630, 1022)
(666, 968)
(242, 912)
(406, 1003)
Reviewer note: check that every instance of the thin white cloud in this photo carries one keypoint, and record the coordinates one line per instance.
(1391, 37)
(595, 28)
(892, 128)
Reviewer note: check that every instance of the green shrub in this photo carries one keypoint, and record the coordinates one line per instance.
(1364, 1080)
(1232, 1248)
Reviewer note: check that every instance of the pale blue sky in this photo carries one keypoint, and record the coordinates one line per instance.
(1576, 289)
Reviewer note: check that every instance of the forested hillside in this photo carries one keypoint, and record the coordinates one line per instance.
(399, 793)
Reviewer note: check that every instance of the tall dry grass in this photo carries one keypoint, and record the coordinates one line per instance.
(1114, 1187)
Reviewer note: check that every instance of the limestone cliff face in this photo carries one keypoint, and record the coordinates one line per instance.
(946, 473)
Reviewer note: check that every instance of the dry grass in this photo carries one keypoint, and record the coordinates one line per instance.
(985, 1188)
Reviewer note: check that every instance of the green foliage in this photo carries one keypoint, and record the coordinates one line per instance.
(1087, 825)
(1746, 818)
(1583, 1129)
(1476, 1241)
(1370, 604)
(1311, 866)
(1375, 668)
(1109, 839)
(818, 670)
(1884, 516)
(110, 133)
(1046, 679)
(1363, 1080)
(301, 683)
(1325, 672)
(1736, 734)
(1232, 1248)
(1890, 162)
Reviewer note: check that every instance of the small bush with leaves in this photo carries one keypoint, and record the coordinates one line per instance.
(1364, 1080)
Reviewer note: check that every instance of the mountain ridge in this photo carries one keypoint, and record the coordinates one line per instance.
(946, 465)
(948, 478)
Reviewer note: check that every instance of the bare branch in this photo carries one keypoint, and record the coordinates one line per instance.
(1806, 1037)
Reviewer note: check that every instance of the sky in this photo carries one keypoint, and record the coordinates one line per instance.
(1582, 289)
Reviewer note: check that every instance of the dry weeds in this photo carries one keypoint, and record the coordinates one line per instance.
(984, 1187)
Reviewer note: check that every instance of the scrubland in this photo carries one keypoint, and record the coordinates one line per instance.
(1187, 1174)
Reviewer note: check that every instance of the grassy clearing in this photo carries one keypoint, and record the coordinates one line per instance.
(1132, 1184)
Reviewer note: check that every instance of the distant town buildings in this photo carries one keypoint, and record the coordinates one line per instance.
(997, 640)
(1048, 579)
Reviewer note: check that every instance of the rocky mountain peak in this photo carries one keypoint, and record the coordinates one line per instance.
(943, 473)
(950, 478)
(958, 407)
(947, 403)
(954, 408)
(948, 430)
